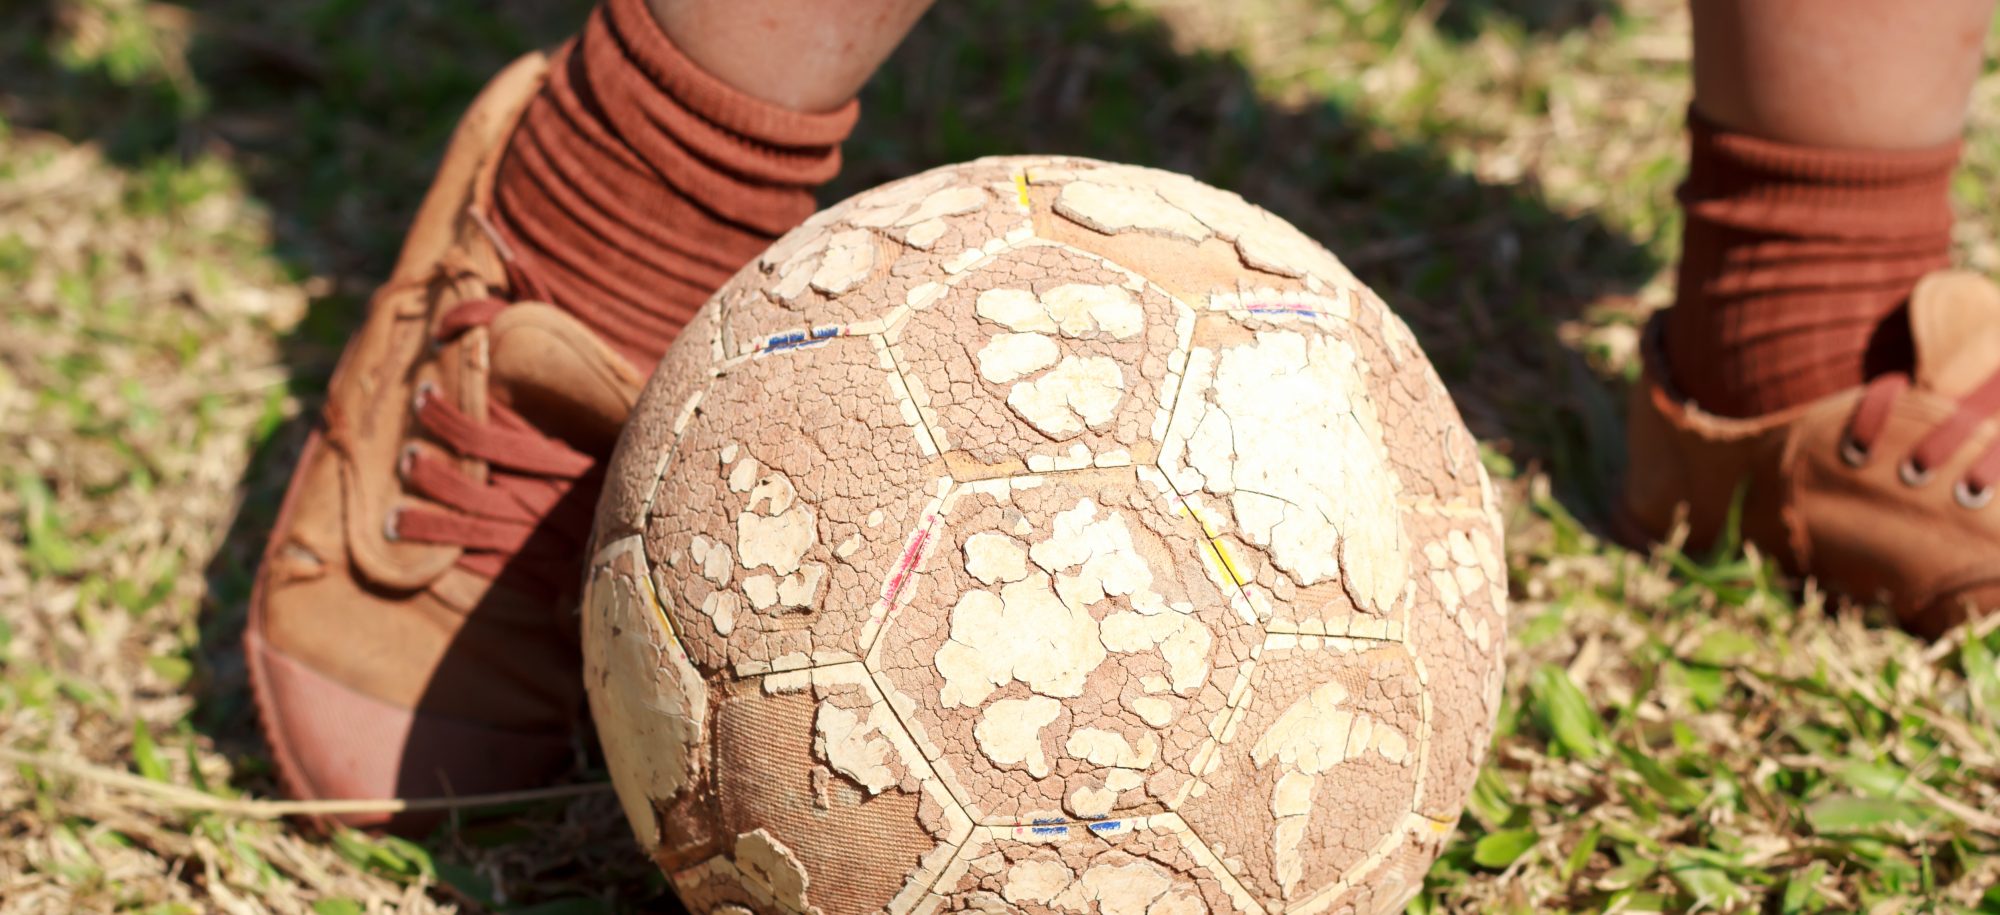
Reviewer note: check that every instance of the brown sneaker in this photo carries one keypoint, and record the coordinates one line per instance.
(411, 632)
(1882, 492)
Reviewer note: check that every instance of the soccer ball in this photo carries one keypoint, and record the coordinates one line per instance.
(1039, 534)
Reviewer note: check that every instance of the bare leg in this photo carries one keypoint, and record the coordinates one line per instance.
(806, 55)
(1838, 74)
(1822, 144)
(1821, 150)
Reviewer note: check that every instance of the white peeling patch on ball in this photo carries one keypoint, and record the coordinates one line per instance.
(1006, 357)
(1080, 392)
(1312, 736)
(1025, 632)
(1282, 426)
(767, 863)
(855, 748)
(1112, 209)
(1010, 732)
(651, 704)
(849, 257)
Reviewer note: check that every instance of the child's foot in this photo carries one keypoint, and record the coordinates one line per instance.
(1880, 491)
(412, 631)
(410, 635)
(1797, 359)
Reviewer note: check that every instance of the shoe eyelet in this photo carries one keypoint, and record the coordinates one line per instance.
(406, 461)
(1851, 452)
(1912, 475)
(1969, 498)
(389, 532)
(424, 390)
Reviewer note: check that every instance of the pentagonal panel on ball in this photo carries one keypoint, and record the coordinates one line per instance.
(1316, 769)
(1066, 650)
(1042, 358)
(1276, 438)
(785, 506)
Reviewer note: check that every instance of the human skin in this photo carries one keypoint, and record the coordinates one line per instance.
(807, 55)
(1839, 74)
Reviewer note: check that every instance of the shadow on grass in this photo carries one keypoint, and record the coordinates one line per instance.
(1465, 18)
(335, 113)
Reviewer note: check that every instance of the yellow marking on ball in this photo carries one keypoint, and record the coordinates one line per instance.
(1216, 546)
(659, 609)
(1021, 188)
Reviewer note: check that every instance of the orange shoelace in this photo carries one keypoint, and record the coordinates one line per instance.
(1975, 489)
(530, 518)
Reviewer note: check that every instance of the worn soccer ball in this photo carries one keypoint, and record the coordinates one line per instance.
(1039, 534)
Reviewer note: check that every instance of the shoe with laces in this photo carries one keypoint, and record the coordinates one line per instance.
(1883, 492)
(411, 633)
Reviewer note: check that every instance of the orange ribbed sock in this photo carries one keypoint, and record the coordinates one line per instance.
(1795, 265)
(637, 183)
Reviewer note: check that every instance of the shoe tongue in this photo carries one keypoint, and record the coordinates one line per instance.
(560, 377)
(1955, 324)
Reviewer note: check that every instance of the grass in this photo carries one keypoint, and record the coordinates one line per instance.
(195, 201)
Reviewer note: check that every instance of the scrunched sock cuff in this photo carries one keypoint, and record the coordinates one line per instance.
(1795, 263)
(637, 183)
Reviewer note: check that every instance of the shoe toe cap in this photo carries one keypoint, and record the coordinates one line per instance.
(333, 742)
